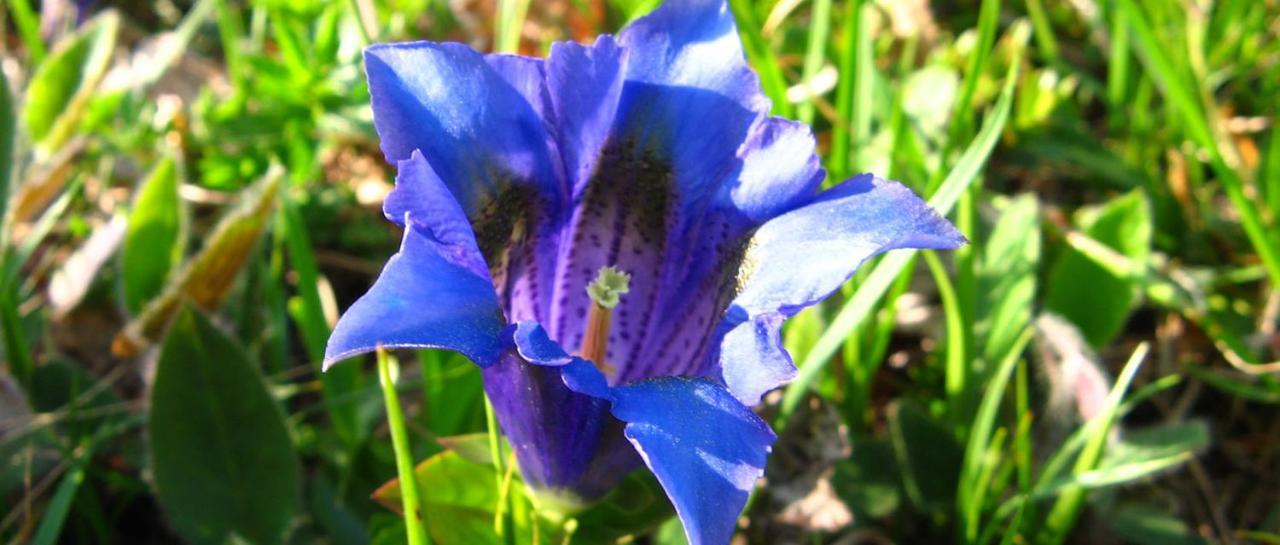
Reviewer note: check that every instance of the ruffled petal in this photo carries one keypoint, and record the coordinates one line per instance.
(474, 125)
(535, 346)
(801, 257)
(422, 195)
(428, 296)
(780, 170)
(752, 358)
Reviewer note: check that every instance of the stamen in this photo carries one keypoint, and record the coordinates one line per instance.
(605, 292)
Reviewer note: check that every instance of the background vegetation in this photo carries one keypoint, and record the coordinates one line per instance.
(190, 195)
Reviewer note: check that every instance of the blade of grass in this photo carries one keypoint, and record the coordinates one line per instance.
(1062, 516)
(15, 258)
(1043, 31)
(988, 21)
(1118, 63)
(1154, 54)
(887, 270)
(502, 523)
(1011, 535)
(410, 501)
(230, 31)
(508, 24)
(308, 312)
(8, 126)
(969, 496)
(761, 56)
(1270, 173)
(55, 515)
(1111, 476)
(957, 375)
(21, 364)
(29, 29)
(853, 91)
(814, 55)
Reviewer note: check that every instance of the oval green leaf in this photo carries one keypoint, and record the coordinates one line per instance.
(220, 453)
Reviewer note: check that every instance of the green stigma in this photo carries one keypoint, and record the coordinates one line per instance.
(609, 286)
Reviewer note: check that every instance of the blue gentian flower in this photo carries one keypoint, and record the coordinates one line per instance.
(649, 155)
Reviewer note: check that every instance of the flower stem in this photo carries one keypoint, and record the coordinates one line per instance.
(502, 522)
(404, 459)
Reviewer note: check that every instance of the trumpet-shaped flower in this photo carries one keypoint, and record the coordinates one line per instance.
(648, 165)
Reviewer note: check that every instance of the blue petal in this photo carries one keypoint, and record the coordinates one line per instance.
(584, 83)
(801, 257)
(693, 44)
(780, 169)
(420, 193)
(475, 127)
(535, 346)
(428, 296)
(567, 443)
(690, 98)
(706, 448)
(527, 75)
(752, 358)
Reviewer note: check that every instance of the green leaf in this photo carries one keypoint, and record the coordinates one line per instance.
(220, 453)
(153, 241)
(65, 82)
(458, 501)
(867, 480)
(206, 278)
(927, 453)
(61, 384)
(17, 349)
(1007, 277)
(1095, 298)
(1147, 525)
(1157, 442)
(8, 127)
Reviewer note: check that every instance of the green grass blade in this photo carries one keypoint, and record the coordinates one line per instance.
(957, 372)
(853, 92)
(55, 515)
(969, 497)
(1118, 62)
(1043, 31)
(988, 21)
(17, 353)
(886, 271)
(509, 23)
(8, 127)
(1197, 119)
(1066, 510)
(814, 55)
(28, 24)
(762, 57)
